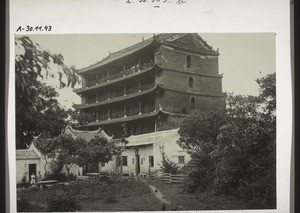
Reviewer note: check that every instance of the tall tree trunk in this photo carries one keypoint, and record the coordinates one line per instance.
(68, 172)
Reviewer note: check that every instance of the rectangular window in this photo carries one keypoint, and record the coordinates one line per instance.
(132, 160)
(151, 161)
(180, 159)
(102, 164)
(124, 160)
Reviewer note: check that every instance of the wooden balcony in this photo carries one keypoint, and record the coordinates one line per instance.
(111, 79)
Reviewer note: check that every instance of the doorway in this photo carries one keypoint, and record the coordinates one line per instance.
(32, 170)
(137, 164)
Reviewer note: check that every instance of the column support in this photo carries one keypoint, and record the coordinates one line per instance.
(140, 108)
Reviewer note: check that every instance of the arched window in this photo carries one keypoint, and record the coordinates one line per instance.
(193, 103)
(191, 82)
(188, 61)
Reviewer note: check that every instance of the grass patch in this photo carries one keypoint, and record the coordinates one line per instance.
(197, 201)
(95, 194)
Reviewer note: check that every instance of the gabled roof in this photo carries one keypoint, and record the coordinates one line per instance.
(27, 154)
(150, 138)
(87, 135)
(164, 38)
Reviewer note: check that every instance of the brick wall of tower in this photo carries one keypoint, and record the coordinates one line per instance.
(174, 59)
(180, 81)
(180, 103)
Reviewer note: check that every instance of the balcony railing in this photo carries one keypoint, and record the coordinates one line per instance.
(130, 71)
(120, 93)
(132, 111)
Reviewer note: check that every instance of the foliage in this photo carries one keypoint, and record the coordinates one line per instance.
(37, 109)
(80, 118)
(24, 205)
(234, 153)
(93, 193)
(97, 150)
(32, 62)
(46, 147)
(167, 165)
(65, 203)
(68, 150)
(43, 114)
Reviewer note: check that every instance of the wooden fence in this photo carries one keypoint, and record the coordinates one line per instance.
(168, 177)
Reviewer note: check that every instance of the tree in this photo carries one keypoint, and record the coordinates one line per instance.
(119, 144)
(167, 165)
(68, 150)
(37, 109)
(97, 150)
(46, 147)
(235, 151)
(31, 61)
(80, 118)
(42, 115)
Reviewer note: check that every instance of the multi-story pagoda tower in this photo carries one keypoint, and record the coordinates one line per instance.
(152, 85)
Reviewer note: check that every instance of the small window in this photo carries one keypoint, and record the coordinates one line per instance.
(193, 103)
(124, 160)
(102, 164)
(180, 159)
(188, 61)
(191, 82)
(151, 161)
(132, 160)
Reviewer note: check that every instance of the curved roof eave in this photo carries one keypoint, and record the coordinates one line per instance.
(119, 54)
(81, 90)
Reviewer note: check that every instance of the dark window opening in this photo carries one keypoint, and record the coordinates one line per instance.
(122, 161)
(180, 159)
(191, 82)
(193, 103)
(151, 161)
(188, 61)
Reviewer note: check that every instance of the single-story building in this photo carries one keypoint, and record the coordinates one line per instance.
(28, 161)
(143, 153)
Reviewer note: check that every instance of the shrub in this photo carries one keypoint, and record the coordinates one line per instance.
(167, 165)
(64, 203)
(23, 204)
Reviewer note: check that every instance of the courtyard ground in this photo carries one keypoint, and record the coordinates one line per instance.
(113, 194)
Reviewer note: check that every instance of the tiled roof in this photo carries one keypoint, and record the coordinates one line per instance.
(164, 38)
(26, 154)
(150, 138)
(126, 119)
(118, 99)
(87, 135)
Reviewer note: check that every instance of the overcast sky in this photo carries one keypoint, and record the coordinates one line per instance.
(243, 57)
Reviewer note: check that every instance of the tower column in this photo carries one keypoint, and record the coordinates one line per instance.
(108, 113)
(140, 108)
(125, 111)
(139, 86)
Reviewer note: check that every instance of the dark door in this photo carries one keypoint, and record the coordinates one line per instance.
(137, 165)
(32, 170)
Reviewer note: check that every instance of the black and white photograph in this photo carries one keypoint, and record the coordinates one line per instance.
(149, 105)
(145, 122)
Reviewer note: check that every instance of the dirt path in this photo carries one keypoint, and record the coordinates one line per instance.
(160, 197)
